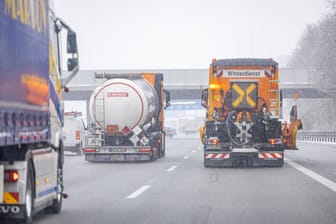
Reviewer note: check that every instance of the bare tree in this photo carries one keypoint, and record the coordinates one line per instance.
(332, 4)
(316, 51)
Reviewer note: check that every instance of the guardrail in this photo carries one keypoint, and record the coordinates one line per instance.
(316, 136)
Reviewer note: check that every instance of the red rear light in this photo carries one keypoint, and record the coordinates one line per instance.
(213, 141)
(89, 150)
(145, 150)
(77, 135)
(11, 176)
(274, 141)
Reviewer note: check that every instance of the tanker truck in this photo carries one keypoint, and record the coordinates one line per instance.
(243, 109)
(31, 107)
(127, 114)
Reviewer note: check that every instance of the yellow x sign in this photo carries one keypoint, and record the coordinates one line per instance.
(243, 95)
(248, 98)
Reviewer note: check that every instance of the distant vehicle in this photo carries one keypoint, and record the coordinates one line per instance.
(128, 115)
(170, 132)
(242, 124)
(73, 132)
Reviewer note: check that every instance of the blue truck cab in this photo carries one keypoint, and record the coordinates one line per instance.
(31, 107)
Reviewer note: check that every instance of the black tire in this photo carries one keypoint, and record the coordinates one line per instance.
(154, 156)
(79, 150)
(205, 164)
(56, 206)
(163, 146)
(30, 189)
(282, 162)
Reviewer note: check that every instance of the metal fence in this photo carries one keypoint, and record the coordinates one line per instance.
(317, 136)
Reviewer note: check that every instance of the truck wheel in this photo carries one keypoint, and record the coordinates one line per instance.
(163, 146)
(205, 164)
(154, 156)
(56, 206)
(79, 150)
(28, 214)
(281, 163)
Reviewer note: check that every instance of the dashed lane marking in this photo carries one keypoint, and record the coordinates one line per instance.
(322, 180)
(186, 157)
(136, 193)
(172, 168)
(193, 151)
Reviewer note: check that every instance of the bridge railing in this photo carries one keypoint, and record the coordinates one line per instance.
(316, 136)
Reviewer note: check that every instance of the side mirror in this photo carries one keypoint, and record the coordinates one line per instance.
(281, 98)
(281, 104)
(293, 114)
(167, 98)
(72, 63)
(71, 42)
(205, 98)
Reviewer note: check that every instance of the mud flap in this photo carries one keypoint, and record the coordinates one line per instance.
(13, 213)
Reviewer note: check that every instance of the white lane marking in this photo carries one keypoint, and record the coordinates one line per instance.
(322, 180)
(172, 168)
(193, 151)
(186, 157)
(136, 193)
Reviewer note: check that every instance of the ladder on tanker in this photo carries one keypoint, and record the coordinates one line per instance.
(274, 97)
(100, 111)
(99, 101)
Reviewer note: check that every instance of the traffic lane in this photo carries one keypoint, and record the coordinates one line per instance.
(94, 188)
(193, 194)
(77, 170)
(318, 157)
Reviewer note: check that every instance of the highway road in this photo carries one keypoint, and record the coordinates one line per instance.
(178, 189)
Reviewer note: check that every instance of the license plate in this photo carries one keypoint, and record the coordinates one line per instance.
(132, 157)
(102, 157)
(118, 150)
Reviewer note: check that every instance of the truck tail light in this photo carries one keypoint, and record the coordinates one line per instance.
(212, 141)
(145, 150)
(89, 150)
(77, 135)
(275, 141)
(11, 176)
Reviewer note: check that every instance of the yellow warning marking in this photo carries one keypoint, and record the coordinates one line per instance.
(248, 98)
(9, 199)
(240, 97)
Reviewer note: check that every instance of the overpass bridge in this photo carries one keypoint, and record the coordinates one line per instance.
(185, 86)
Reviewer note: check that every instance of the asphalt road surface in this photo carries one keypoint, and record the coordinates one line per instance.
(178, 189)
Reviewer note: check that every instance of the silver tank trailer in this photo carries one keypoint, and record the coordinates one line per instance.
(123, 102)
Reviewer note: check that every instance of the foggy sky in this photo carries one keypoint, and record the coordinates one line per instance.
(163, 34)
